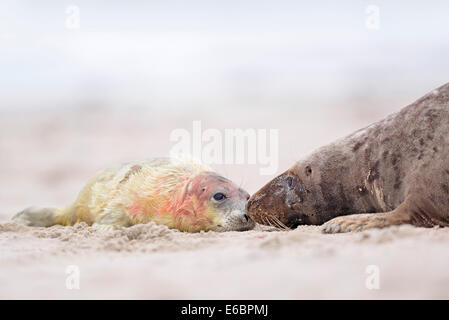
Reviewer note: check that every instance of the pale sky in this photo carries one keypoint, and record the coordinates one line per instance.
(173, 54)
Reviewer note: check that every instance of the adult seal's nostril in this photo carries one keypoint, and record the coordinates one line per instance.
(246, 216)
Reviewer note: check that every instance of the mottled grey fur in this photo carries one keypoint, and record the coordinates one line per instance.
(398, 166)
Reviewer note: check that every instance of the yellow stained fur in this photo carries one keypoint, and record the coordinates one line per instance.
(103, 200)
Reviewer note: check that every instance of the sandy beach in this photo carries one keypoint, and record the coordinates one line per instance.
(47, 157)
(91, 84)
(153, 262)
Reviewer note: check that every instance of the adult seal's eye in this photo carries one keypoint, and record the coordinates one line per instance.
(219, 196)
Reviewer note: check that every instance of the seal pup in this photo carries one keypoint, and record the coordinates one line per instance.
(183, 195)
(395, 171)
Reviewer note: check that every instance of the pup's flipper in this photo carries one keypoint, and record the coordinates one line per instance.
(37, 217)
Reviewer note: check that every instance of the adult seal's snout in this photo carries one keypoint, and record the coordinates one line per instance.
(278, 202)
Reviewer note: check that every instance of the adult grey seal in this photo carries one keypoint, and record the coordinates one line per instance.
(395, 171)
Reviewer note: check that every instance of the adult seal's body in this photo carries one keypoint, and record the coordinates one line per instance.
(179, 194)
(392, 172)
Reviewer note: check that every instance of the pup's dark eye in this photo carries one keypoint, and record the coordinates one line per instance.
(219, 196)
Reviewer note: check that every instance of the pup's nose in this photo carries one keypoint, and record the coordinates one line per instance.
(247, 221)
(244, 194)
(245, 218)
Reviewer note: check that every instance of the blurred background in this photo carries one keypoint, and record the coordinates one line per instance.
(87, 84)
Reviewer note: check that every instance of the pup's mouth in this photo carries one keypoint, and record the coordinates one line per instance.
(237, 223)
